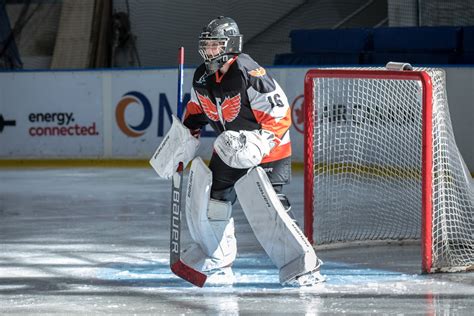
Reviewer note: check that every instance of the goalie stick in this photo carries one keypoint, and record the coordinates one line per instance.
(178, 267)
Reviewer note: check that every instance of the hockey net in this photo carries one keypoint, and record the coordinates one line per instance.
(382, 164)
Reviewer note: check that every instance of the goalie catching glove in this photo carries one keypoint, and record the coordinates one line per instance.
(244, 149)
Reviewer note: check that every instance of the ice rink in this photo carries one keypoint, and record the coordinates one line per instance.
(95, 240)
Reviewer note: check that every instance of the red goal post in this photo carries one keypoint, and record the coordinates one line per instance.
(329, 127)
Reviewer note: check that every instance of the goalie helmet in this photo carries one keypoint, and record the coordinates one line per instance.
(218, 42)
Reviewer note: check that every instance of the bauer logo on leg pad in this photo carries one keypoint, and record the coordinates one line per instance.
(263, 193)
(190, 183)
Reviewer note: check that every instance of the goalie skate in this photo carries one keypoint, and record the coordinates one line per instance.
(307, 279)
(221, 276)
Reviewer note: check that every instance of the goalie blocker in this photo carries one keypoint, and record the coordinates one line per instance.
(168, 155)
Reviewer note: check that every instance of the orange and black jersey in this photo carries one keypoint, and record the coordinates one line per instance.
(246, 97)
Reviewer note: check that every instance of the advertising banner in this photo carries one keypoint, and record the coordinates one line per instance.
(51, 114)
(123, 114)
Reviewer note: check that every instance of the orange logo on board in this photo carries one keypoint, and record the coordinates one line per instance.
(259, 72)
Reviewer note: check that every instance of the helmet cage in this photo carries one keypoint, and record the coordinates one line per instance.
(212, 47)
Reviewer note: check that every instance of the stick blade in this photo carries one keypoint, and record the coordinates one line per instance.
(189, 274)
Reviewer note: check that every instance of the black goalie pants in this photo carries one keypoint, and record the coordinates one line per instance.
(224, 178)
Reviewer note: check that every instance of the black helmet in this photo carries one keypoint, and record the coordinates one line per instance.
(219, 41)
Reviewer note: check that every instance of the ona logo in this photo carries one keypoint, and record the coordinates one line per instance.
(297, 113)
(137, 98)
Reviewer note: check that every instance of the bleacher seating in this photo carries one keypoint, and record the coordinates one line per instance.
(416, 45)
(343, 46)
(467, 56)
(359, 46)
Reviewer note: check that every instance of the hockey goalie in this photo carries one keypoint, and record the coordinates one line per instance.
(251, 162)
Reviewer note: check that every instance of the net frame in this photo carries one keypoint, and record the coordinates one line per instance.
(427, 147)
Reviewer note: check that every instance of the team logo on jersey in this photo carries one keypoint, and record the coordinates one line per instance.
(259, 72)
(202, 80)
(229, 108)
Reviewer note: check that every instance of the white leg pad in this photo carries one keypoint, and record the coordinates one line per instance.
(279, 235)
(209, 221)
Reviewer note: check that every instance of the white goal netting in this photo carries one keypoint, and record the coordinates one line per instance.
(367, 162)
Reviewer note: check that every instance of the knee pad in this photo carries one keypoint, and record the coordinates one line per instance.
(224, 195)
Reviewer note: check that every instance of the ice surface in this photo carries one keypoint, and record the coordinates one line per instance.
(95, 240)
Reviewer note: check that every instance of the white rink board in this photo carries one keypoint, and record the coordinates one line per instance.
(69, 102)
(93, 98)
